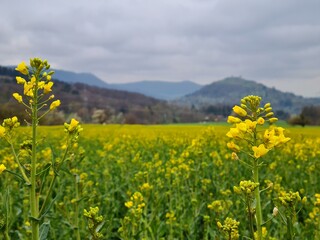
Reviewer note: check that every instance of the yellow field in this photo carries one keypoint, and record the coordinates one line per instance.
(163, 182)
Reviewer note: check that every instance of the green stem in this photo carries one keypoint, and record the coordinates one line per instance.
(8, 209)
(250, 218)
(76, 179)
(34, 204)
(46, 200)
(289, 228)
(25, 177)
(258, 200)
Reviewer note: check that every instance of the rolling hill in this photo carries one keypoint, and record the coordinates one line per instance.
(230, 90)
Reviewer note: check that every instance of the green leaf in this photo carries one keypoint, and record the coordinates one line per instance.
(44, 230)
(15, 174)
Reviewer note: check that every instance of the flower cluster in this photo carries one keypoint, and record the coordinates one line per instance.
(315, 213)
(131, 222)
(7, 126)
(249, 115)
(230, 228)
(289, 198)
(136, 204)
(171, 217)
(246, 187)
(36, 81)
(94, 222)
(73, 129)
(219, 206)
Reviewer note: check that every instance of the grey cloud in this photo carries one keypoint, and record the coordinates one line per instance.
(274, 42)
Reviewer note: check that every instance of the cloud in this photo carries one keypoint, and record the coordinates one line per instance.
(274, 42)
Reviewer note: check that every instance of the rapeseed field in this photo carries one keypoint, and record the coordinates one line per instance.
(248, 179)
(163, 182)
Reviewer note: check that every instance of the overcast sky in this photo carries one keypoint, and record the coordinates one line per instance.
(276, 43)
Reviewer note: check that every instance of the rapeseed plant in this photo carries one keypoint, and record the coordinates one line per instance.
(37, 84)
(247, 139)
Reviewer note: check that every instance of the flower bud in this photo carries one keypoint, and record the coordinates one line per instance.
(273, 120)
(232, 119)
(243, 106)
(267, 105)
(275, 211)
(304, 200)
(240, 111)
(269, 109)
(270, 114)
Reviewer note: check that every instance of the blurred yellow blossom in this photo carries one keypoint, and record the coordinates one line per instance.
(2, 168)
(240, 111)
(55, 104)
(18, 97)
(22, 68)
(259, 151)
(2, 131)
(20, 80)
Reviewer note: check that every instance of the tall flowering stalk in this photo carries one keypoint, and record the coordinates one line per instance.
(37, 84)
(248, 139)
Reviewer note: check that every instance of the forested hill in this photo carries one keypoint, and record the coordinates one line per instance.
(94, 104)
(230, 90)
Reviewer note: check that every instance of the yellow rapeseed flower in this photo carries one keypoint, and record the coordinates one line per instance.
(18, 97)
(251, 125)
(2, 168)
(20, 80)
(47, 87)
(55, 104)
(260, 121)
(14, 120)
(232, 119)
(22, 68)
(259, 151)
(129, 204)
(234, 147)
(242, 126)
(240, 111)
(73, 125)
(27, 89)
(2, 131)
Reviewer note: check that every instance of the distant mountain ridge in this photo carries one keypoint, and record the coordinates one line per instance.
(72, 77)
(159, 89)
(230, 90)
(163, 90)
